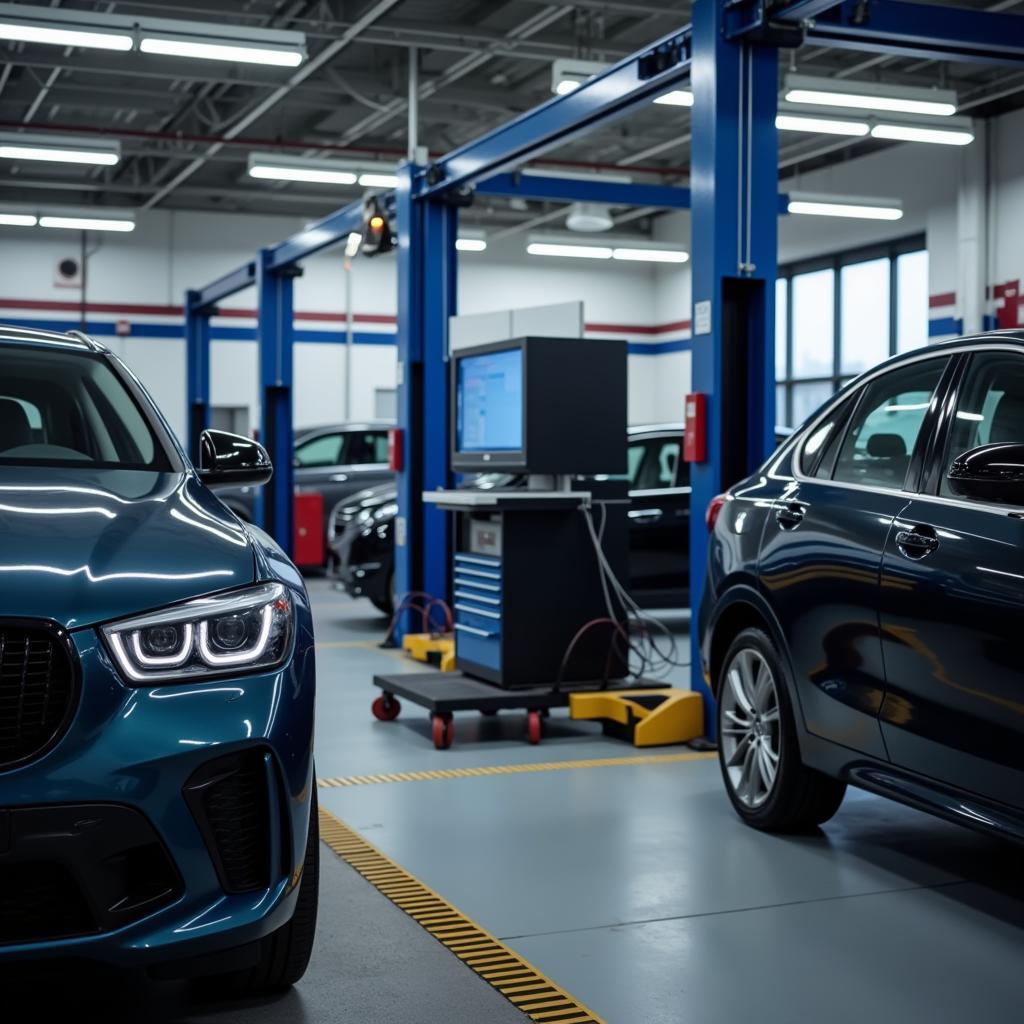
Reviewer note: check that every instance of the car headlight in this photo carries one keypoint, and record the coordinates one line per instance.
(211, 636)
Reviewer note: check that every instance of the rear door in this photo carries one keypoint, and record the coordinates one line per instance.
(952, 607)
(822, 547)
(659, 514)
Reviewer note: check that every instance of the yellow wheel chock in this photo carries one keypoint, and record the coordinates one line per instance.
(436, 649)
(645, 718)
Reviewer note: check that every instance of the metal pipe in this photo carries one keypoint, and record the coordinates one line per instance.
(414, 103)
(348, 340)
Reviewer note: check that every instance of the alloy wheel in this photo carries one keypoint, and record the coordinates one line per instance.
(750, 737)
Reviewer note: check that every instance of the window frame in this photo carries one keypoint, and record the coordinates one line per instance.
(312, 439)
(891, 250)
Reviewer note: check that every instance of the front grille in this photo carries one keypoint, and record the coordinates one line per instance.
(37, 688)
(41, 901)
(230, 799)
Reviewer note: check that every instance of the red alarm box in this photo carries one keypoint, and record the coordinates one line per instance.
(695, 438)
(396, 450)
(308, 542)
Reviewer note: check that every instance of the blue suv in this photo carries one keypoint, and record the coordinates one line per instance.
(157, 680)
(863, 606)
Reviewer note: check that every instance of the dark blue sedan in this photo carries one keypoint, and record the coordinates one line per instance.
(863, 613)
(157, 804)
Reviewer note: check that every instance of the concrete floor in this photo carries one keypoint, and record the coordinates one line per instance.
(635, 888)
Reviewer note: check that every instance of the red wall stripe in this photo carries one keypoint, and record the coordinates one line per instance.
(945, 299)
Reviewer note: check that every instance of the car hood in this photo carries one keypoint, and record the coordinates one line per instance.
(81, 546)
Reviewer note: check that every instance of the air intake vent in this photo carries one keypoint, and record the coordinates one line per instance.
(230, 798)
(37, 691)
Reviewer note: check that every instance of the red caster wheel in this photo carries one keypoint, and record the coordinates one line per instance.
(444, 731)
(386, 708)
(534, 726)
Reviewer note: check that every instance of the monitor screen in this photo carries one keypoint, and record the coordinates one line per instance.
(489, 402)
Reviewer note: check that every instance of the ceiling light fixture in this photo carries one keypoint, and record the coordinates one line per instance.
(18, 220)
(375, 180)
(916, 133)
(568, 73)
(631, 250)
(583, 252)
(60, 149)
(676, 98)
(162, 36)
(76, 223)
(820, 125)
(271, 167)
(470, 244)
(650, 255)
(855, 207)
(898, 99)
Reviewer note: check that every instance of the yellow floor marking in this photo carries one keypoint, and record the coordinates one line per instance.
(511, 769)
(507, 972)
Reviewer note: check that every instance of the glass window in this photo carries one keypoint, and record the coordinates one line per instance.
(365, 447)
(863, 315)
(781, 320)
(912, 300)
(781, 416)
(324, 450)
(879, 444)
(823, 441)
(659, 466)
(72, 408)
(813, 314)
(808, 398)
(990, 406)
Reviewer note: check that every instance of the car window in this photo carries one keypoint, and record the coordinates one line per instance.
(658, 468)
(324, 450)
(818, 454)
(365, 447)
(989, 408)
(59, 407)
(880, 440)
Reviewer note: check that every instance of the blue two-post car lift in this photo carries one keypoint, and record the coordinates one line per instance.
(730, 56)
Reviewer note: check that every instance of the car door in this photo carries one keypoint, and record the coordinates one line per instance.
(952, 606)
(659, 516)
(821, 550)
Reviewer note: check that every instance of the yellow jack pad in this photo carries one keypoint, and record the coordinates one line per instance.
(433, 648)
(645, 718)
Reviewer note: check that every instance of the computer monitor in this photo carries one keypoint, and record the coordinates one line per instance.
(547, 406)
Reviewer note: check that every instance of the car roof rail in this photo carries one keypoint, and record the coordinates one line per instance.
(92, 343)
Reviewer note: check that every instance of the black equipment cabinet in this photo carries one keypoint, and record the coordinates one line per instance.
(527, 580)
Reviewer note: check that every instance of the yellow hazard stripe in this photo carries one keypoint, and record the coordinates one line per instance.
(510, 769)
(516, 979)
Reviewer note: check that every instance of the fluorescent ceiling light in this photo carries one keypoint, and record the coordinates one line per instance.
(374, 180)
(320, 177)
(86, 223)
(821, 125)
(845, 206)
(913, 133)
(584, 252)
(899, 99)
(650, 255)
(170, 47)
(170, 37)
(61, 149)
(60, 156)
(18, 220)
(568, 73)
(676, 98)
(470, 244)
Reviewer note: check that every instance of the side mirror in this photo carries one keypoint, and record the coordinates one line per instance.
(993, 472)
(230, 460)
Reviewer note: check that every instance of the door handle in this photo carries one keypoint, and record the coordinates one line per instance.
(917, 543)
(645, 515)
(790, 515)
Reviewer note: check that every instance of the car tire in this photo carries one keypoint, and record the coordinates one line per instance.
(284, 954)
(386, 604)
(758, 752)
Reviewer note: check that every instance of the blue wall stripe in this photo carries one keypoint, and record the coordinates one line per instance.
(658, 348)
(945, 325)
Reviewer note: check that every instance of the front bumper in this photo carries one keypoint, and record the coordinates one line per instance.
(360, 576)
(123, 780)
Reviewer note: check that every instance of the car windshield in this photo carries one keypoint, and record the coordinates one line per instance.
(72, 409)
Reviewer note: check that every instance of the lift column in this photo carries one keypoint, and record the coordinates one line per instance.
(734, 183)
(426, 299)
(276, 343)
(197, 358)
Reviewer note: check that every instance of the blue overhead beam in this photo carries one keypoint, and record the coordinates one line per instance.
(633, 82)
(577, 190)
(331, 230)
(921, 30)
(204, 299)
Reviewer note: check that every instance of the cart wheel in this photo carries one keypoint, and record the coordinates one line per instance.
(444, 731)
(534, 726)
(490, 713)
(386, 708)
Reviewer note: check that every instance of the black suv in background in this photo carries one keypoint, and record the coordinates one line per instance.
(361, 541)
(861, 619)
(334, 460)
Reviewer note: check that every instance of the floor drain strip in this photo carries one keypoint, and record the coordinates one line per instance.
(340, 781)
(535, 995)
